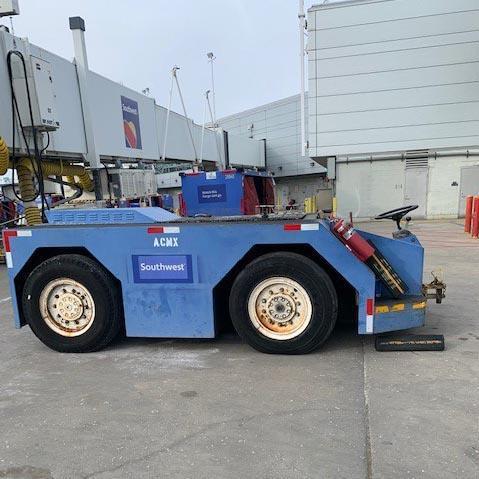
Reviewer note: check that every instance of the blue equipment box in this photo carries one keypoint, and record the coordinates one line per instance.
(226, 193)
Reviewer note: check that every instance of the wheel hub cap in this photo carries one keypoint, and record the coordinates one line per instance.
(280, 308)
(67, 307)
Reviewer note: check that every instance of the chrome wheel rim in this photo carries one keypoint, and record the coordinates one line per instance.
(67, 307)
(280, 308)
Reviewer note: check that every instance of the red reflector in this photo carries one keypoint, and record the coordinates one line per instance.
(155, 230)
(292, 227)
(370, 307)
(7, 234)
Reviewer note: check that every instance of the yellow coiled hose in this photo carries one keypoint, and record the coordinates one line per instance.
(49, 168)
(25, 171)
(27, 190)
(4, 155)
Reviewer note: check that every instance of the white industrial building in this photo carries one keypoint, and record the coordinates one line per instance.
(393, 103)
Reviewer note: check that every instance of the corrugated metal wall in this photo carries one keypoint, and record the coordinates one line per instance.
(393, 75)
(279, 124)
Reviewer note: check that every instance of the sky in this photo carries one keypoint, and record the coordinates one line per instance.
(136, 43)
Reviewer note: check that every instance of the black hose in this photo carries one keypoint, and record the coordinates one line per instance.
(37, 169)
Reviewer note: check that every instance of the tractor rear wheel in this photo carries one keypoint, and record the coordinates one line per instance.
(72, 304)
(283, 303)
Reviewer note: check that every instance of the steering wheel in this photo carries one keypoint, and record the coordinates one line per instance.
(397, 214)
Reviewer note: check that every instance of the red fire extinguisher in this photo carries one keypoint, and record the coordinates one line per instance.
(367, 253)
(354, 241)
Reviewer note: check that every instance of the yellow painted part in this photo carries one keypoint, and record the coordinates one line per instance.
(4, 156)
(396, 308)
(27, 190)
(310, 205)
(335, 205)
(33, 216)
(420, 305)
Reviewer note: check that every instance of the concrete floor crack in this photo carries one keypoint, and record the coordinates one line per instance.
(368, 446)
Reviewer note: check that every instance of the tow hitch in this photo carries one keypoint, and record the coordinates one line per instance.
(436, 289)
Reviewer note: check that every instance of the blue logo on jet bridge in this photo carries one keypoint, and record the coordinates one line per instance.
(162, 269)
(212, 193)
(131, 123)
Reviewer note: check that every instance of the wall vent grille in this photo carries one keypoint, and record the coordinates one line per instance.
(417, 159)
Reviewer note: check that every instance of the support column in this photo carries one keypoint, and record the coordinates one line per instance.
(77, 26)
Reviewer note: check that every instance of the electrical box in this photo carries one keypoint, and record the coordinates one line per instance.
(40, 82)
(132, 183)
(8, 8)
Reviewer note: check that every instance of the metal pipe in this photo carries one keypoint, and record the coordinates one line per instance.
(302, 17)
(222, 164)
(404, 156)
(212, 58)
(173, 73)
(203, 127)
(186, 115)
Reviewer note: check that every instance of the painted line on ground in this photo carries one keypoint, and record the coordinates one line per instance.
(4, 300)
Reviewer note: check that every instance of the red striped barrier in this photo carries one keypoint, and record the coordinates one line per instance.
(475, 218)
(468, 214)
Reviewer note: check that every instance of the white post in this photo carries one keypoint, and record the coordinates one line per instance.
(302, 17)
(173, 72)
(212, 58)
(220, 157)
(77, 26)
(203, 127)
(186, 114)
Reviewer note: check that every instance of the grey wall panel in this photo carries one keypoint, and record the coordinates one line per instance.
(359, 12)
(369, 188)
(397, 99)
(393, 75)
(398, 60)
(374, 48)
(392, 31)
(400, 117)
(397, 80)
(401, 134)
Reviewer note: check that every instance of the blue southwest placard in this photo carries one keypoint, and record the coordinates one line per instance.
(131, 123)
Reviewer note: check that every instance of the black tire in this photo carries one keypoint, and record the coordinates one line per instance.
(311, 277)
(107, 319)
